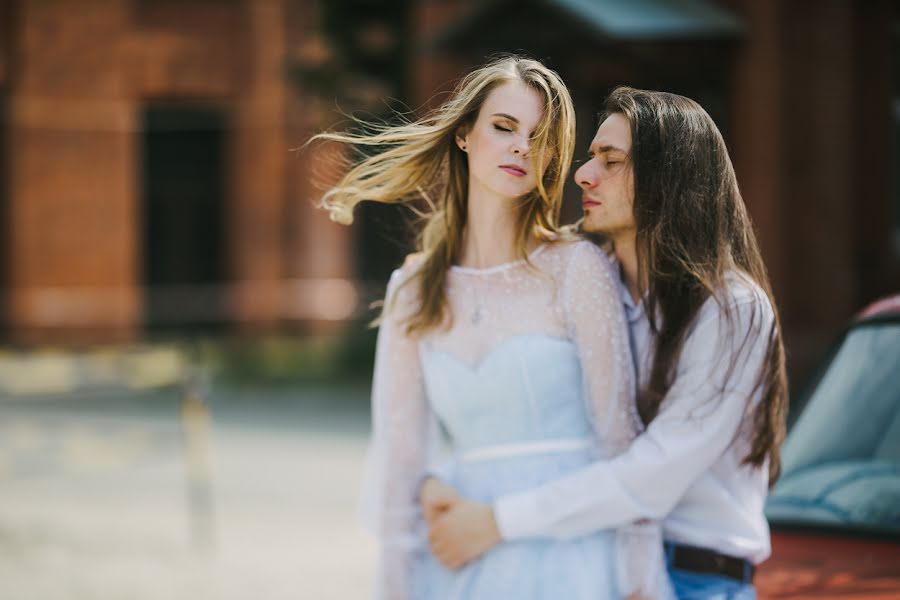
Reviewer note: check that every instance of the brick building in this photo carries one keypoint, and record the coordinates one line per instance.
(108, 218)
(146, 166)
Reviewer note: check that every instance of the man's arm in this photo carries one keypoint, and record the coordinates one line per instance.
(714, 385)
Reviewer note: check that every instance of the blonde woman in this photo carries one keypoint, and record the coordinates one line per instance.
(503, 333)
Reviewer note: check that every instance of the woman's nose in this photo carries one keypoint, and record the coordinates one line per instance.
(521, 148)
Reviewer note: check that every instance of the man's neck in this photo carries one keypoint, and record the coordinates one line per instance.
(626, 252)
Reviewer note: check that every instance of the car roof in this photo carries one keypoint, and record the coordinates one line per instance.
(884, 307)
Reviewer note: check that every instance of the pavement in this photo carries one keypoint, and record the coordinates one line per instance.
(113, 490)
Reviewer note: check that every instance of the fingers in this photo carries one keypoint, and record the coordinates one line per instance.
(451, 561)
(446, 552)
(432, 510)
(430, 514)
(428, 487)
(434, 495)
(434, 488)
(435, 507)
(440, 502)
(442, 546)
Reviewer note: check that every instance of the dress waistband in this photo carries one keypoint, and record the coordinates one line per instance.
(526, 448)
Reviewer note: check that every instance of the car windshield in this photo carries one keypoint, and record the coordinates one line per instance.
(842, 457)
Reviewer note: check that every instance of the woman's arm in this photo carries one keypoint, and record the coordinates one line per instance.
(591, 296)
(400, 445)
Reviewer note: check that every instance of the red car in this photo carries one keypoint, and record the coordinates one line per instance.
(835, 512)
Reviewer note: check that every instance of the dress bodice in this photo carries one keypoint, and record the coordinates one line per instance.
(527, 388)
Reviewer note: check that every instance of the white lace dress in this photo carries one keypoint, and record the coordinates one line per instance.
(532, 380)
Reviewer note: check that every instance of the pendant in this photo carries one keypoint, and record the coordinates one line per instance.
(477, 315)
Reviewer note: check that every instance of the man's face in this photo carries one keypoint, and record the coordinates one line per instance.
(607, 181)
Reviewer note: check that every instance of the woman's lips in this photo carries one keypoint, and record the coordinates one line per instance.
(587, 203)
(514, 170)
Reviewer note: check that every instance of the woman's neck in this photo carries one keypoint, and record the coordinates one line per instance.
(490, 235)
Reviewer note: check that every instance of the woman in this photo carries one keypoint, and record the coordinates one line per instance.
(484, 334)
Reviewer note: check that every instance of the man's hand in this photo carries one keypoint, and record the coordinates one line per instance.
(436, 497)
(462, 532)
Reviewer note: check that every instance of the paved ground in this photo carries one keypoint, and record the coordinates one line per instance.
(104, 496)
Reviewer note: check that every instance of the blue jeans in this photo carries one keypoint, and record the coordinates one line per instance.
(703, 586)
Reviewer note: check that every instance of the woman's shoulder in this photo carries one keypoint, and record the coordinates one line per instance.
(402, 275)
(411, 264)
(578, 256)
(570, 247)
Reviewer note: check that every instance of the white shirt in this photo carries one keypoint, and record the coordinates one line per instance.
(686, 468)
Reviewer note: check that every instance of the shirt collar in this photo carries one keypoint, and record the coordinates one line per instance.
(633, 310)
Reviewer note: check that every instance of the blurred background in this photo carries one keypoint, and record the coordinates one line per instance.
(185, 359)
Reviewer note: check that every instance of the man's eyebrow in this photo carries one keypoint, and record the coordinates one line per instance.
(602, 149)
(506, 116)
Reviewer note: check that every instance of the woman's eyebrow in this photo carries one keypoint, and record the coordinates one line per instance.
(506, 116)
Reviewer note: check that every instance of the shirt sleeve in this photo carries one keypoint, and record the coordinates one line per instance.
(597, 324)
(700, 417)
(403, 432)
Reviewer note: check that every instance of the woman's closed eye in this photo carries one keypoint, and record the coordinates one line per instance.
(499, 127)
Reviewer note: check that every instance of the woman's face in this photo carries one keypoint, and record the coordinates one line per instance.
(499, 142)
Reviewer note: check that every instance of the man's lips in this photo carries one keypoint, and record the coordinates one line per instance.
(514, 170)
(587, 203)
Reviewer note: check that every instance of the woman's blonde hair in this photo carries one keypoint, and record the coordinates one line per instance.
(420, 161)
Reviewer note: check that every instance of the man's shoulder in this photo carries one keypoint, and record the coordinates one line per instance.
(739, 297)
(741, 289)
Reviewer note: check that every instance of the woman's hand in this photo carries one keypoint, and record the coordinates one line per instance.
(463, 531)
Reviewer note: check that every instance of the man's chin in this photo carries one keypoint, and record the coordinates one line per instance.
(594, 228)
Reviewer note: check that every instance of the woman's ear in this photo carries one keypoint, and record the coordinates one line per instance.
(461, 138)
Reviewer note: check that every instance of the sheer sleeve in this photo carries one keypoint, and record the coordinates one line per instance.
(597, 323)
(403, 433)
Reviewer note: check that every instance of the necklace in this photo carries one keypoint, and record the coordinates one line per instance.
(479, 312)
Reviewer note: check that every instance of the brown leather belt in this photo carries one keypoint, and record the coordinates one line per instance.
(702, 560)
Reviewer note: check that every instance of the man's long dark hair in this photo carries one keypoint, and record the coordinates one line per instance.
(693, 230)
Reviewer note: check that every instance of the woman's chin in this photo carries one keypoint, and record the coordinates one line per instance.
(512, 193)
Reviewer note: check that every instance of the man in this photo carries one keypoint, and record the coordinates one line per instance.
(712, 388)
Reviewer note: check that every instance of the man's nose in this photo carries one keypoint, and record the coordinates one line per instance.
(585, 178)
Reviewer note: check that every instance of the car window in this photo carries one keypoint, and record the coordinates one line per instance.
(842, 457)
